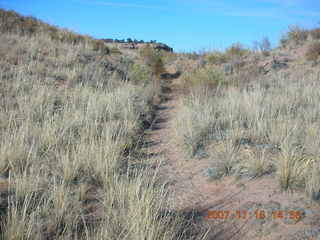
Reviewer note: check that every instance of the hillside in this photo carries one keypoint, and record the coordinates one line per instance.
(242, 140)
(101, 139)
(72, 115)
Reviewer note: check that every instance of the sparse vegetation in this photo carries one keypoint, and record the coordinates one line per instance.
(263, 46)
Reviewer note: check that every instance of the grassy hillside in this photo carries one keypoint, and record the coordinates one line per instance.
(71, 120)
(255, 113)
(75, 112)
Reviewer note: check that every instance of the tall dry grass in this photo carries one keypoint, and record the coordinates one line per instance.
(70, 132)
(277, 117)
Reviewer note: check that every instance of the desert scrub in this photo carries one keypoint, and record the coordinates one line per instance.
(236, 50)
(248, 118)
(206, 77)
(70, 141)
(312, 178)
(193, 123)
(115, 50)
(139, 74)
(216, 57)
(313, 52)
(69, 138)
(315, 33)
(153, 59)
(99, 45)
(295, 35)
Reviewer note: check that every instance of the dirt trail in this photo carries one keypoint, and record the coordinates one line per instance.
(192, 191)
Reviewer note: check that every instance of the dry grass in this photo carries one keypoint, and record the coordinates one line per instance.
(216, 57)
(227, 120)
(295, 35)
(153, 59)
(193, 123)
(13, 23)
(313, 52)
(70, 131)
(315, 33)
(205, 77)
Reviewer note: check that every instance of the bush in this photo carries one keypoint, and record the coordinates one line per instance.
(193, 123)
(264, 46)
(139, 74)
(313, 52)
(99, 45)
(315, 33)
(216, 57)
(153, 59)
(207, 77)
(236, 50)
(115, 50)
(296, 34)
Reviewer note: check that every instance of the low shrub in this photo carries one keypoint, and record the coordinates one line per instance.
(115, 50)
(313, 52)
(236, 50)
(206, 77)
(296, 35)
(139, 74)
(263, 46)
(216, 57)
(193, 123)
(315, 33)
(153, 59)
(99, 45)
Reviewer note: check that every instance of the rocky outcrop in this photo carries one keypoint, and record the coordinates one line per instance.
(276, 63)
(135, 44)
(164, 47)
(169, 76)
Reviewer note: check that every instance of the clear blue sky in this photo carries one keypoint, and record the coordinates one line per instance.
(186, 25)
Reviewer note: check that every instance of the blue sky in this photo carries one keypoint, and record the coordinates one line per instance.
(185, 25)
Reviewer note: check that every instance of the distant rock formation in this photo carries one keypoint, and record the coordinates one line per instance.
(162, 46)
(135, 44)
(169, 76)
